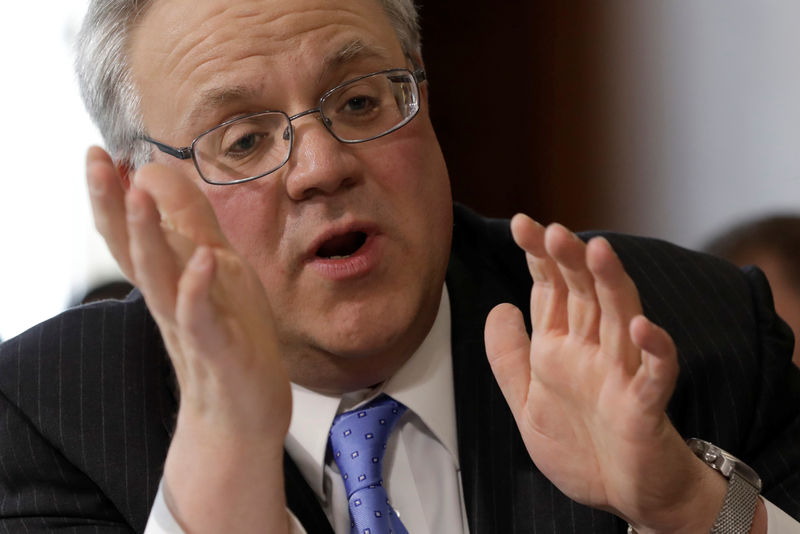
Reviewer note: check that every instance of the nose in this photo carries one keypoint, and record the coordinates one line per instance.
(320, 165)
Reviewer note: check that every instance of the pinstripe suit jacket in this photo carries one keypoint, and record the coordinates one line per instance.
(87, 400)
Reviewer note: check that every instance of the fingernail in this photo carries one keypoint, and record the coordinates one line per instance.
(528, 218)
(602, 239)
(564, 228)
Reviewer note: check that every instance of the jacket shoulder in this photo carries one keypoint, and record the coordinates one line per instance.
(94, 383)
(485, 248)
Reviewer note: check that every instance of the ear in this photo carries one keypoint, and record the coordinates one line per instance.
(126, 172)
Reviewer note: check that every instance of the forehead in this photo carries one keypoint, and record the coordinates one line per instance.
(192, 54)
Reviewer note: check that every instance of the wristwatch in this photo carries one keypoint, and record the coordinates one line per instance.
(744, 485)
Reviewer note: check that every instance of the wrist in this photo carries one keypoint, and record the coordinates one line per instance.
(697, 511)
(741, 510)
(759, 525)
(218, 481)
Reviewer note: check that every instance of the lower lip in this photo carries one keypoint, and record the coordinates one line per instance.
(357, 265)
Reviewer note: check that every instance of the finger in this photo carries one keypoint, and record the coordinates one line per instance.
(194, 312)
(155, 265)
(619, 303)
(655, 379)
(569, 252)
(508, 351)
(182, 205)
(107, 197)
(549, 294)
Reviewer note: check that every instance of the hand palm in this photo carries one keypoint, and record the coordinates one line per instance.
(589, 390)
(577, 414)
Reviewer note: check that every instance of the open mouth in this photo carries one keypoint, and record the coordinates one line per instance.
(342, 246)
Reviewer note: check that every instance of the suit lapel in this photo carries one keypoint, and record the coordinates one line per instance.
(487, 435)
(503, 489)
(302, 501)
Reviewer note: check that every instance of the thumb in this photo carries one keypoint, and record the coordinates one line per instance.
(508, 350)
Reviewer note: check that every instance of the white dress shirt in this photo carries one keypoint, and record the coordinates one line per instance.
(421, 466)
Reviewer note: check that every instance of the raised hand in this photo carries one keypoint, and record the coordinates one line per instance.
(589, 389)
(227, 451)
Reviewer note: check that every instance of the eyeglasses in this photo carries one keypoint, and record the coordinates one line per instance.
(255, 145)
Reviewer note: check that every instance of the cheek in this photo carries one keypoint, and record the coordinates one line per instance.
(247, 214)
(418, 187)
(413, 163)
(420, 177)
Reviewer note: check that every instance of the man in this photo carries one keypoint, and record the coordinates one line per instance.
(773, 244)
(311, 242)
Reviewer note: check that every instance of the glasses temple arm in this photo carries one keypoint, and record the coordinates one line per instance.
(180, 153)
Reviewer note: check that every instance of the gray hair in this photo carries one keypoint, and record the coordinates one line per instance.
(107, 85)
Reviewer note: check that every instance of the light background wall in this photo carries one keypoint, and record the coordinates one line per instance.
(49, 252)
(703, 114)
(699, 104)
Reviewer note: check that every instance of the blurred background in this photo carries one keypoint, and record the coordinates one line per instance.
(670, 119)
(49, 251)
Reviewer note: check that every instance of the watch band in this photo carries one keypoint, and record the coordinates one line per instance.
(741, 497)
(738, 508)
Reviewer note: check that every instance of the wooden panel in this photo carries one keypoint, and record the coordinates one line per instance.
(516, 94)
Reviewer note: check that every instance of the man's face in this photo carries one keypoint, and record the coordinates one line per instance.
(351, 242)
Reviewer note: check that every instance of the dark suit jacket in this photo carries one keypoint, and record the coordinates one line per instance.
(87, 401)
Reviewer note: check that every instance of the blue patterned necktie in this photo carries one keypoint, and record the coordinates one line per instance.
(358, 440)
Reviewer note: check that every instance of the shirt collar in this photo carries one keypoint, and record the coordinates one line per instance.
(424, 384)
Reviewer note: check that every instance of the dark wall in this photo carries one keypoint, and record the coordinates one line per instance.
(516, 99)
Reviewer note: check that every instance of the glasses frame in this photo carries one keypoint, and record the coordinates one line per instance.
(187, 152)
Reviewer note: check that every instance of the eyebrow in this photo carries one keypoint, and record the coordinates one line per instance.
(211, 99)
(355, 50)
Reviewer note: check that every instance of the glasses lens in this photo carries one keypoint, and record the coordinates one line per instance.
(243, 148)
(372, 106)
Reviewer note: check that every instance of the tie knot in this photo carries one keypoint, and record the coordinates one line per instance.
(358, 440)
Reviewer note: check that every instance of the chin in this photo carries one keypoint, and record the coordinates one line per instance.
(346, 361)
(368, 335)
(359, 338)
(358, 347)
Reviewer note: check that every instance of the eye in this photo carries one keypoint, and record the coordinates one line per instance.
(357, 100)
(359, 104)
(244, 144)
(239, 143)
